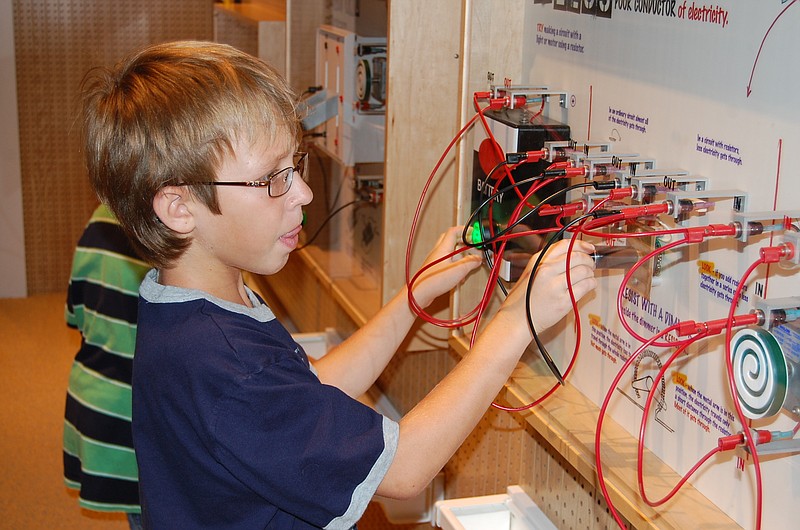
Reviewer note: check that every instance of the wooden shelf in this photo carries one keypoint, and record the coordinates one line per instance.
(260, 11)
(282, 32)
(319, 289)
(568, 420)
(357, 293)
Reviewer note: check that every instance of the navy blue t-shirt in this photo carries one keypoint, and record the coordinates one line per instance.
(232, 428)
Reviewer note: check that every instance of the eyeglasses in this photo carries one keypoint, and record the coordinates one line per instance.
(277, 183)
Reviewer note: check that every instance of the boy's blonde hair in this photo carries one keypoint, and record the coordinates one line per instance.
(170, 114)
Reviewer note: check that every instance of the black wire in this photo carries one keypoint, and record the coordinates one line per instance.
(477, 212)
(314, 148)
(309, 91)
(327, 219)
(488, 257)
(493, 240)
(500, 164)
(546, 200)
(534, 210)
(548, 359)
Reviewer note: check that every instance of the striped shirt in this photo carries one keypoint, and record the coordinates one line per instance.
(102, 304)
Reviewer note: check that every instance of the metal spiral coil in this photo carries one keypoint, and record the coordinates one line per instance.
(760, 372)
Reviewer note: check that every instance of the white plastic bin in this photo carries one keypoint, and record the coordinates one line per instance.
(514, 510)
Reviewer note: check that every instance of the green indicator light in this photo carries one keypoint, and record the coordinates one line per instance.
(476, 237)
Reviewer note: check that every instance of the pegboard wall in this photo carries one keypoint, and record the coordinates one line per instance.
(238, 31)
(503, 449)
(56, 43)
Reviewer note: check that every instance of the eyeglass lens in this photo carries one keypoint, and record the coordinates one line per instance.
(281, 182)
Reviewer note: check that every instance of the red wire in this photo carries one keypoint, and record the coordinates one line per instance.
(621, 235)
(599, 206)
(499, 151)
(601, 415)
(603, 221)
(539, 112)
(494, 274)
(729, 369)
(420, 311)
(478, 310)
(732, 384)
(417, 309)
(514, 217)
(578, 330)
(495, 145)
(476, 313)
(642, 428)
(575, 351)
(627, 277)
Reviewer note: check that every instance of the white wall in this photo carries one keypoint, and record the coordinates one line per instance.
(13, 282)
(727, 76)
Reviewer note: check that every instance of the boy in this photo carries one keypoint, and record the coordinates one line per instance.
(102, 301)
(193, 147)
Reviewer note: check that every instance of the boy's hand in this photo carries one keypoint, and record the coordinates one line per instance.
(443, 277)
(550, 299)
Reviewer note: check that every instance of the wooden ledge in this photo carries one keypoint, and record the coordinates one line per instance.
(356, 292)
(568, 420)
(263, 11)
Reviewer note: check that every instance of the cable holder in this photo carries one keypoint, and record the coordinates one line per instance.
(680, 199)
(512, 97)
(753, 223)
(650, 182)
(568, 148)
(621, 166)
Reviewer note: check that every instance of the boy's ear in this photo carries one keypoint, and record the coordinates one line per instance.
(172, 206)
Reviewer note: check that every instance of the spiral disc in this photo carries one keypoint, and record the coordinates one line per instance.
(759, 371)
(363, 80)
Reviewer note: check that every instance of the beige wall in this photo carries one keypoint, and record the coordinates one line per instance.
(12, 235)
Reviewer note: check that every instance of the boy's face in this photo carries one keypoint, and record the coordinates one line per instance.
(255, 232)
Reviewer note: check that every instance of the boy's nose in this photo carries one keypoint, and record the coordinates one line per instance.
(302, 191)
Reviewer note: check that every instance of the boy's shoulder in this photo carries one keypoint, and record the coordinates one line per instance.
(191, 320)
(152, 291)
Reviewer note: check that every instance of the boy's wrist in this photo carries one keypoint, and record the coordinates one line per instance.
(512, 326)
(419, 299)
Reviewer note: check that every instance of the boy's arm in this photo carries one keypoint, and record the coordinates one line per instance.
(355, 365)
(432, 431)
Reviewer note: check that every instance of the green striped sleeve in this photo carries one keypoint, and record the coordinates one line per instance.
(69, 316)
(101, 393)
(102, 213)
(101, 507)
(111, 334)
(108, 460)
(116, 271)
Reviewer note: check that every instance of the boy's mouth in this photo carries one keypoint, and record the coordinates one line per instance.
(291, 238)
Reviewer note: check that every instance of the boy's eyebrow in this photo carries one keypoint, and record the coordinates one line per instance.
(271, 167)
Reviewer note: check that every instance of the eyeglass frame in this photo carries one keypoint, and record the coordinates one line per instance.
(299, 167)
